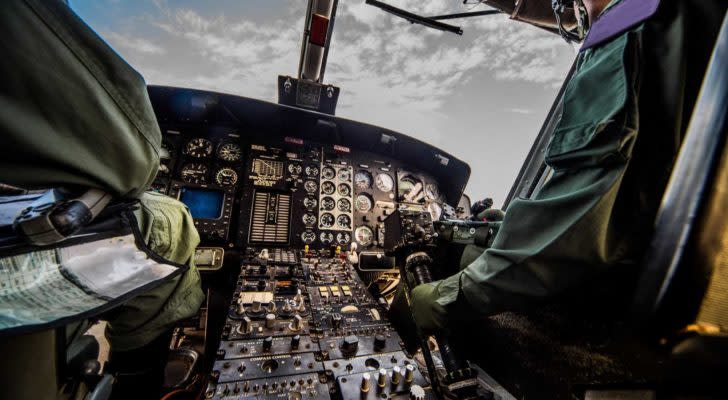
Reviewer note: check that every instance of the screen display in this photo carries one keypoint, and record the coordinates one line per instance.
(203, 203)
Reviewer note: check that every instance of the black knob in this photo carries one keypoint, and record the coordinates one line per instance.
(267, 343)
(350, 344)
(336, 320)
(295, 342)
(261, 286)
(380, 342)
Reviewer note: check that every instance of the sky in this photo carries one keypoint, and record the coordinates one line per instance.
(482, 96)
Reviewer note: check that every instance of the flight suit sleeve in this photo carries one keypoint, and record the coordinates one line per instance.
(565, 235)
(169, 231)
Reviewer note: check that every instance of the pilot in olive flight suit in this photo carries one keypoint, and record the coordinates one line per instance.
(74, 114)
(625, 110)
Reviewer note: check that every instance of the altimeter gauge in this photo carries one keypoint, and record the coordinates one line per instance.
(229, 152)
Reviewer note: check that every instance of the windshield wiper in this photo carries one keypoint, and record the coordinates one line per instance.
(430, 22)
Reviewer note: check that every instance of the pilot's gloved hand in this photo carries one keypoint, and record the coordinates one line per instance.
(429, 315)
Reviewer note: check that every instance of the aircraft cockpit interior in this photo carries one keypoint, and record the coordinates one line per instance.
(336, 259)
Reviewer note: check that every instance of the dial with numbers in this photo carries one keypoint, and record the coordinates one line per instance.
(310, 186)
(343, 238)
(344, 189)
(308, 237)
(229, 152)
(363, 180)
(327, 220)
(312, 171)
(199, 148)
(343, 221)
(344, 205)
(295, 168)
(328, 203)
(226, 177)
(364, 203)
(328, 188)
(344, 175)
(326, 237)
(328, 173)
(310, 202)
(309, 219)
(364, 235)
(194, 173)
(384, 182)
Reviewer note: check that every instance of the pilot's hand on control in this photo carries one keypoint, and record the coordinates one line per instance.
(430, 316)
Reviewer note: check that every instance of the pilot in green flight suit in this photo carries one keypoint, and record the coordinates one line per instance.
(625, 110)
(74, 114)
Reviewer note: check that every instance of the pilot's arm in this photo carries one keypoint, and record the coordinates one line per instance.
(611, 154)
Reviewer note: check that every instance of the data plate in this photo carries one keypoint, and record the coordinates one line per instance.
(254, 347)
(266, 367)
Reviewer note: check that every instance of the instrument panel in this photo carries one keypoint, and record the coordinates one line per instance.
(288, 193)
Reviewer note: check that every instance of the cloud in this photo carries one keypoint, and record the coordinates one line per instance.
(392, 73)
(133, 44)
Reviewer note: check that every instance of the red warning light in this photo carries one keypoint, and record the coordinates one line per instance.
(319, 29)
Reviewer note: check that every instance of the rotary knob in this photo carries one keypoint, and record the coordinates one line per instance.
(267, 343)
(349, 345)
(270, 321)
(380, 342)
(295, 342)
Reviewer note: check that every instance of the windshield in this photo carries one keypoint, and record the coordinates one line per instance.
(481, 96)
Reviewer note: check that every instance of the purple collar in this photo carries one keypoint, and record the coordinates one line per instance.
(618, 19)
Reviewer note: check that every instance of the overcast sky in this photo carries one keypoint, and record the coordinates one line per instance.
(481, 96)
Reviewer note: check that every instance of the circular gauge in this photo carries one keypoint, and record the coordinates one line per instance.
(343, 238)
(435, 211)
(364, 203)
(328, 204)
(384, 182)
(364, 235)
(310, 202)
(226, 177)
(343, 221)
(295, 168)
(344, 175)
(194, 173)
(328, 188)
(229, 152)
(432, 192)
(344, 205)
(199, 148)
(327, 220)
(328, 173)
(308, 237)
(407, 187)
(344, 189)
(310, 186)
(363, 180)
(309, 219)
(312, 171)
(326, 237)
